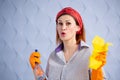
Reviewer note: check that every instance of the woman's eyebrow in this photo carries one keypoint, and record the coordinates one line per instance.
(59, 20)
(67, 20)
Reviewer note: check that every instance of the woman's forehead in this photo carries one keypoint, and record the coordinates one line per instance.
(65, 18)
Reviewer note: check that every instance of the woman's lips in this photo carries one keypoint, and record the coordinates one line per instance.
(63, 34)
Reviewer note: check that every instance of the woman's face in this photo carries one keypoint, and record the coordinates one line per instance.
(66, 27)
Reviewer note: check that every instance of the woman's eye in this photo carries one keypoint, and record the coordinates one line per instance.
(68, 23)
(60, 24)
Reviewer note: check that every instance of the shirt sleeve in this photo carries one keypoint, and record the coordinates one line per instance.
(47, 67)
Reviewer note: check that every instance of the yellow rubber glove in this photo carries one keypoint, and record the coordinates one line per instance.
(97, 73)
(34, 59)
(99, 53)
(98, 58)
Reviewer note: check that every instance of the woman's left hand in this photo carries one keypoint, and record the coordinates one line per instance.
(101, 57)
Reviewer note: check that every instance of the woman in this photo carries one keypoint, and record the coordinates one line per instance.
(70, 60)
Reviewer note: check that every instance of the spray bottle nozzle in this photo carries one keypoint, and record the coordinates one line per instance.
(36, 50)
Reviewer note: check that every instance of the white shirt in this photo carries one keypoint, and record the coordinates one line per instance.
(75, 69)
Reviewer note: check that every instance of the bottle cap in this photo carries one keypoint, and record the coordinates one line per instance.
(36, 50)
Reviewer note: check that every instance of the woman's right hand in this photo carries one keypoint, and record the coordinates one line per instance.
(34, 59)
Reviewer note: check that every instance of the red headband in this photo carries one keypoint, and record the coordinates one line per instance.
(73, 13)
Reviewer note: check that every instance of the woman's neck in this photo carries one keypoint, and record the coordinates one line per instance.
(70, 46)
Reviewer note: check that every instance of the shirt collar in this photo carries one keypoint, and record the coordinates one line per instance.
(61, 46)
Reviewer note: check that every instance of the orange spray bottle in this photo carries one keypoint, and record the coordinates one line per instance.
(38, 71)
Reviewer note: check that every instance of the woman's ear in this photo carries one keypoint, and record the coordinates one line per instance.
(77, 28)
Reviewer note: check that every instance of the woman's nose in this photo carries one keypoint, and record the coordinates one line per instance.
(64, 27)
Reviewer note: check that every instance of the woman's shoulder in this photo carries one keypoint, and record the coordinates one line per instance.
(56, 51)
(84, 44)
(85, 47)
(52, 53)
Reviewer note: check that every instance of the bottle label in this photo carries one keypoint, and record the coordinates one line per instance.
(39, 73)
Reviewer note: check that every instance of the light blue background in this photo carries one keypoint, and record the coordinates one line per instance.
(26, 25)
